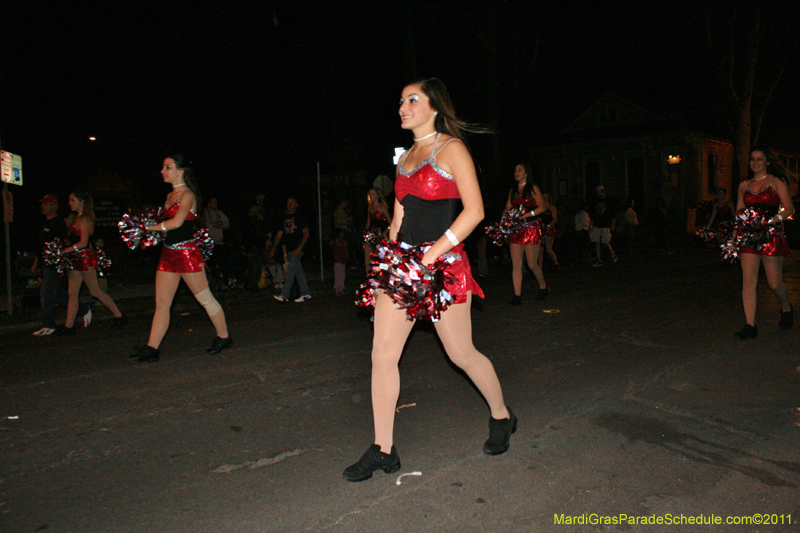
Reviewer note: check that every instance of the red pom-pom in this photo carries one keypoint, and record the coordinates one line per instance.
(511, 222)
(419, 289)
(753, 231)
(103, 263)
(53, 257)
(204, 242)
(131, 227)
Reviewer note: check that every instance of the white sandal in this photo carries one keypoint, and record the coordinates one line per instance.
(44, 332)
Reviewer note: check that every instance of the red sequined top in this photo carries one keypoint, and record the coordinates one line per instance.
(429, 196)
(769, 201)
(183, 233)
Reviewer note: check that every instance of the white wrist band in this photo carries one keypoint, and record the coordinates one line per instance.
(163, 228)
(451, 237)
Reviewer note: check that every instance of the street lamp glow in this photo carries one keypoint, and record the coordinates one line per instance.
(92, 138)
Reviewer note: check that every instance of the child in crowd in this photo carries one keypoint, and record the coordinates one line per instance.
(339, 263)
(275, 269)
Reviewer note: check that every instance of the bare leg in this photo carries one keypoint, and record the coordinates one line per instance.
(197, 283)
(750, 266)
(74, 289)
(455, 331)
(166, 285)
(773, 268)
(517, 251)
(532, 253)
(390, 334)
(90, 278)
(548, 243)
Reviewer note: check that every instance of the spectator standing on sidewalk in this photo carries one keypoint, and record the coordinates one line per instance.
(343, 221)
(292, 237)
(583, 223)
(216, 221)
(339, 263)
(253, 236)
(603, 220)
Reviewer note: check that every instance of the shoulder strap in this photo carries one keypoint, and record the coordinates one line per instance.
(435, 152)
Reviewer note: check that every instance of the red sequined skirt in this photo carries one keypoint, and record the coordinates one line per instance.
(181, 258)
(530, 234)
(83, 260)
(550, 232)
(462, 272)
(778, 246)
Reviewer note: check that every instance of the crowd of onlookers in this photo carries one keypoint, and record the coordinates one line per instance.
(256, 249)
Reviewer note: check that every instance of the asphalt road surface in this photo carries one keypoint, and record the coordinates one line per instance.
(635, 404)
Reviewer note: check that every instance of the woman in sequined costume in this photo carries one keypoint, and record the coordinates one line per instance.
(526, 244)
(84, 263)
(768, 191)
(437, 201)
(378, 218)
(181, 259)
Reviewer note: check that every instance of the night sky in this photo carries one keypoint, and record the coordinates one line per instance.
(257, 94)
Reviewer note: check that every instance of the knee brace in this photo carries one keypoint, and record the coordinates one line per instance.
(208, 301)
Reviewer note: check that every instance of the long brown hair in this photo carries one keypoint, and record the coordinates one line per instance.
(527, 191)
(446, 119)
(88, 205)
(775, 167)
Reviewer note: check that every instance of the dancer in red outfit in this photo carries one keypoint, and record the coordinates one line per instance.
(378, 218)
(767, 190)
(181, 259)
(527, 243)
(438, 201)
(84, 264)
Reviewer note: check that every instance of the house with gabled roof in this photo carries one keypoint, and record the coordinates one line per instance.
(636, 153)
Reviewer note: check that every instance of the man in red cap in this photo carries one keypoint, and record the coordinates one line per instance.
(50, 289)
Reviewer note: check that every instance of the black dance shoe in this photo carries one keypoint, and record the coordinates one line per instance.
(787, 318)
(65, 331)
(148, 354)
(542, 294)
(500, 434)
(516, 300)
(372, 460)
(219, 344)
(747, 332)
(119, 321)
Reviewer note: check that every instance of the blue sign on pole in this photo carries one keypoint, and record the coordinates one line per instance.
(11, 168)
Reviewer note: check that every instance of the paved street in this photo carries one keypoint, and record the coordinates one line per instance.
(632, 394)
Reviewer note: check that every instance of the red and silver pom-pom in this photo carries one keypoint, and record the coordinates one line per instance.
(205, 243)
(373, 238)
(131, 227)
(731, 249)
(707, 234)
(753, 231)
(53, 257)
(103, 263)
(511, 222)
(754, 227)
(397, 269)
